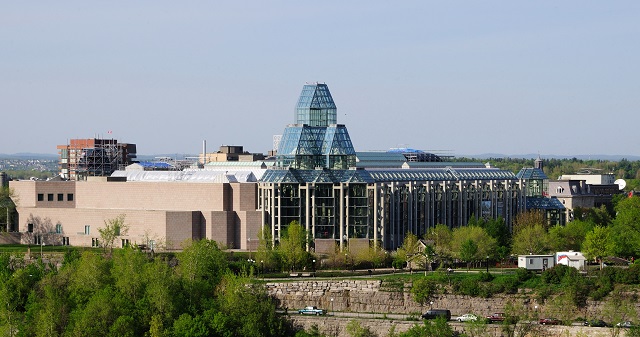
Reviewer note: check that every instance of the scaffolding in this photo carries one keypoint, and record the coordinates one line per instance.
(84, 158)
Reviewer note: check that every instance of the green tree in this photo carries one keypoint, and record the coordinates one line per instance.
(423, 290)
(265, 254)
(441, 236)
(246, 310)
(485, 245)
(531, 239)
(112, 229)
(597, 244)
(468, 251)
(201, 266)
(569, 237)
(409, 251)
(293, 246)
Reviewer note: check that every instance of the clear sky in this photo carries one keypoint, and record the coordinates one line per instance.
(469, 77)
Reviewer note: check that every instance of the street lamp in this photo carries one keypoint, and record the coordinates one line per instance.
(332, 305)
(314, 267)
(487, 264)
(262, 267)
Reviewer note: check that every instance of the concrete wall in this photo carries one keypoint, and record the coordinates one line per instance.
(167, 211)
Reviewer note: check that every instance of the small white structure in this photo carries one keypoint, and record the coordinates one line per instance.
(536, 262)
(571, 259)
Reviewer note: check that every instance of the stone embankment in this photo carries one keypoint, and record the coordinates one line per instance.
(394, 297)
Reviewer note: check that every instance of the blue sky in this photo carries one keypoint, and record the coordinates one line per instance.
(465, 77)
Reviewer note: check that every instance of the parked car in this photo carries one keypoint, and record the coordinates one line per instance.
(467, 318)
(496, 317)
(596, 323)
(435, 313)
(627, 324)
(549, 321)
(311, 311)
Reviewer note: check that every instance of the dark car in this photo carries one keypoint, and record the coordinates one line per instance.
(596, 323)
(549, 321)
(435, 313)
(496, 317)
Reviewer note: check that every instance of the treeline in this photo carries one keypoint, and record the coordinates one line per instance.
(553, 168)
(598, 232)
(129, 293)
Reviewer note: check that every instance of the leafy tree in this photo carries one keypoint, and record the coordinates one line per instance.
(423, 290)
(597, 244)
(498, 229)
(531, 239)
(247, 310)
(442, 236)
(484, 244)
(409, 251)
(619, 307)
(265, 253)
(112, 229)
(201, 265)
(293, 245)
(528, 219)
(569, 237)
(468, 251)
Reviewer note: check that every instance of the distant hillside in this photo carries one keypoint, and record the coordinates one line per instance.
(611, 157)
(27, 156)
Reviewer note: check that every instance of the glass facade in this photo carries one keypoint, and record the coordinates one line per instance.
(315, 106)
(316, 183)
(316, 141)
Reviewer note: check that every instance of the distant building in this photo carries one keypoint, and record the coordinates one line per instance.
(537, 195)
(230, 153)
(93, 157)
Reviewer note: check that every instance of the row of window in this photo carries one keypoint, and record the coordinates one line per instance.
(60, 197)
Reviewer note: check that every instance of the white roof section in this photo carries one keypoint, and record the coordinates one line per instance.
(191, 176)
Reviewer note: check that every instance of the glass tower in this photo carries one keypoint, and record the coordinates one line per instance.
(315, 140)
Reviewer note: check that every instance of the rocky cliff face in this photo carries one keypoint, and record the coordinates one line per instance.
(376, 296)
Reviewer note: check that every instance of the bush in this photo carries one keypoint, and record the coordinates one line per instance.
(522, 275)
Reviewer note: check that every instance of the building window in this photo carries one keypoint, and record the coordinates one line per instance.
(60, 197)
(87, 230)
(40, 197)
(37, 240)
(94, 242)
(30, 228)
(58, 228)
(65, 240)
(70, 197)
(50, 197)
(125, 243)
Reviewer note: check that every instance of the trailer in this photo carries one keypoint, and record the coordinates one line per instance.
(536, 262)
(571, 259)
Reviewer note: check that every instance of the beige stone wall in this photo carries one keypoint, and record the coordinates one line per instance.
(170, 196)
(168, 211)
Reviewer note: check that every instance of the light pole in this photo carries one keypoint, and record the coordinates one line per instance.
(262, 267)
(314, 267)
(332, 305)
(487, 264)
